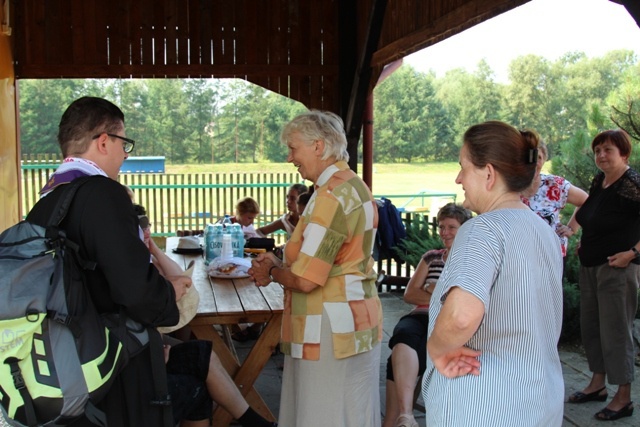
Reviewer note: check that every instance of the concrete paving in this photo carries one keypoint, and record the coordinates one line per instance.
(574, 366)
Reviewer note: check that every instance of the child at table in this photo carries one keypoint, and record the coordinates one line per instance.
(247, 210)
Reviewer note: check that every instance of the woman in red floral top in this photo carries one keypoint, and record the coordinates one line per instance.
(548, 195)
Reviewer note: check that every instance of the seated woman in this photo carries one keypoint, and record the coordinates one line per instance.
(409, 340)
(288, 221)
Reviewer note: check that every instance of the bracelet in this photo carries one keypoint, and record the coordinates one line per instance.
(271, 275)
(635, 252)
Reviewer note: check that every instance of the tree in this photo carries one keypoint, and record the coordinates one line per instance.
(169, 132)
(409, 120)
(469, 99)
(204, 101)
(42, 103)
(625, 103)
(532, 98)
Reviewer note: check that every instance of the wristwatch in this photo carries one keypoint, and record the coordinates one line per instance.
(635, 252)
(271, 275)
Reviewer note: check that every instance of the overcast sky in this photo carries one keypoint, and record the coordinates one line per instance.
(548, 28)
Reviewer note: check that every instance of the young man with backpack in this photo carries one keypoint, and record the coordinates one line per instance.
(102, 221)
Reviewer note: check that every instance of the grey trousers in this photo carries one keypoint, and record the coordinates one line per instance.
(608, 305)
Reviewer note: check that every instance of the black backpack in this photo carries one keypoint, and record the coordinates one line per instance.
(58, 356)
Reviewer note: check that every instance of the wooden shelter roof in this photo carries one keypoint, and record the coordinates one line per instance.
(327, 54)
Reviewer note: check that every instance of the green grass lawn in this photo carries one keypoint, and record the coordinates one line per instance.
(388, 178)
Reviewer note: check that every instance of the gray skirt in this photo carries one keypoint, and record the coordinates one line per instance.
(330, 391)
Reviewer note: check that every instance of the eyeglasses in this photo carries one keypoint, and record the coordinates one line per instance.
(127, 144)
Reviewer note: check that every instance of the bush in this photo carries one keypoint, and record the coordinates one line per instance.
(422, 236)
(570, 312)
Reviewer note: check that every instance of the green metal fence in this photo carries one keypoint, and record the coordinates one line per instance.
(185, 202)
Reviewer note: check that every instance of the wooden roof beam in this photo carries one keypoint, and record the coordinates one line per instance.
(442, 28)
(361, 81)
(633, 7)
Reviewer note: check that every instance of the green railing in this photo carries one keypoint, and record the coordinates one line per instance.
(423, 201)
(179, 202)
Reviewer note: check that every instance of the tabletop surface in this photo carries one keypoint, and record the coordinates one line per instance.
(228, 297)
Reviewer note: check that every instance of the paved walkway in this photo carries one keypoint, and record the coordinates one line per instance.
(574, 366)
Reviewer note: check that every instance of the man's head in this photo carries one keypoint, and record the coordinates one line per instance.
(93, 128)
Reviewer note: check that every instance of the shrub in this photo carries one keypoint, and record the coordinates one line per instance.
(570, 311)
(421, 237)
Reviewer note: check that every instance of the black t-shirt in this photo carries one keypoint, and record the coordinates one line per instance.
(610, 219)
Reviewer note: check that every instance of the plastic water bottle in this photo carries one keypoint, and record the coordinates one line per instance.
(237, 237)
(217, 240)
(209, 244)
(226, 222)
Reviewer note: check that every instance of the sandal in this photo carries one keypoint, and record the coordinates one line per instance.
(580, 397)
(406, 420)
(609, 415)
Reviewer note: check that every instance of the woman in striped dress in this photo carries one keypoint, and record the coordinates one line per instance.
(408, 343)
(496, 312)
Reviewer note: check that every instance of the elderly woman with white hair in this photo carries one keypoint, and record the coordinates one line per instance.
(332, 325)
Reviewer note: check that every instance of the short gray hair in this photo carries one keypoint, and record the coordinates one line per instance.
(320, 125)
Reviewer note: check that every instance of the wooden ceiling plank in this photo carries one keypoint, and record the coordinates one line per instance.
(252, 24)
(315, 39)
(159, 34)
(57, 33)
(170, 33)
(295, 32)
(330, 33)
(135, 29)
(241, 27)
(195, 13)
(183, 32)
(315, 92)
(278, 32)
(39, 71)
(209, 33)
(330, 93)
(146, 32)
(79, 24)
(101, 40)
(114, 16)
(224, 29)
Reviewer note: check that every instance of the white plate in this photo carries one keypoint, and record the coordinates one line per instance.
(242, 264)
(234, 275)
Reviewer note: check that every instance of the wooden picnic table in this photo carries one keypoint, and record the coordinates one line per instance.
(228, 302)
